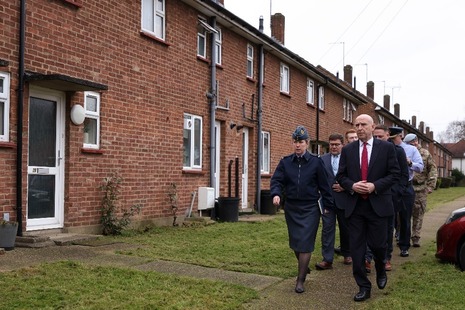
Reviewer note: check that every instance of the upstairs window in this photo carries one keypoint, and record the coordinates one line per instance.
(310, 92)
(218, 46)
(153, 17)
(284, 79)
(349, 109)
(92, 121)
(201, 42)
(192, 142)
(250, 61)
(4, 106)
(321, 98)
(202, 29)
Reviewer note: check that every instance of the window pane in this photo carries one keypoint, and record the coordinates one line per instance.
(266, 155)
(197, 141)
(90, 131)
(249, 68)
(201, 45)
(2, 118)
(187, 141)
(159, 27)
(148, 15)
(160, 6)
(40, 197)
(91, 104)
(42, 133)
(1, 86)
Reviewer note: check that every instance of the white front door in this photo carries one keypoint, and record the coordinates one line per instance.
(45, 171)
(245, 167)
(217, 158)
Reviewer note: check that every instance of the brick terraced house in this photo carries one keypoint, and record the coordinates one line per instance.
(161, 92)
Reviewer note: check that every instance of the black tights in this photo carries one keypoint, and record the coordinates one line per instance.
(303, 261)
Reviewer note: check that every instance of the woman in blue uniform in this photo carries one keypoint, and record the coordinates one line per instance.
(302, 179)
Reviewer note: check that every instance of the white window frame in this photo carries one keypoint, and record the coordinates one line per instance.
(265, 158)
(218, 46)
(310, 92)
(284, 78)
(153, 11)
(250, 52)
(92, 115)
(380, 119)
(5, 101)
(348, 110)
(321, 98)
(189, 127)
(201, 37)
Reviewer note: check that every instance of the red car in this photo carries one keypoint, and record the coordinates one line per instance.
(450, 239)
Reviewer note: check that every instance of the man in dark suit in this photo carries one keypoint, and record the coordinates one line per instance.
(367, 171)
(329, 216)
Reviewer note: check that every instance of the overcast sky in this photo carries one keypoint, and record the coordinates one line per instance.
(413, 50)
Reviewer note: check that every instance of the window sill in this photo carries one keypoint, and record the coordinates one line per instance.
(219, 66)
(7, 145)
(193, 172)
(266, 175)
(152, 37)
(91, 151)
(285, 94)
(205, 60)
(251, 79)
(76, 3)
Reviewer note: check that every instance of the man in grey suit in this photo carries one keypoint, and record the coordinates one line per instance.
(329, 216)
(367, 171)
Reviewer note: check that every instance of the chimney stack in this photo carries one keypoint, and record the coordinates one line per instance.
(260, 24)
(421, 128)
(348, 74)
(414, 121)
(387, 102)
(277, 27)
(371, 90)
(220, 2)
(397, 110)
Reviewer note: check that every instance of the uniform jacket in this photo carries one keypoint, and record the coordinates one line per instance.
(383, 171)
(305, 181)
(429, 176)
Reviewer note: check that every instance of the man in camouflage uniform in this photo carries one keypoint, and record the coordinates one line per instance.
(423, 184)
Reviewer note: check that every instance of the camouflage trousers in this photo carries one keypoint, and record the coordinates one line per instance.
(419, 209)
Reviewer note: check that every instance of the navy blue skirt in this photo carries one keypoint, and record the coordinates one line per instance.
(302, 219)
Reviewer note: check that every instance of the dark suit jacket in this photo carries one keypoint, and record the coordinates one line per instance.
(383, 171)
(340, 198)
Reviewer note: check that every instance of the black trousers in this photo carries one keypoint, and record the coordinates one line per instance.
(367, 228)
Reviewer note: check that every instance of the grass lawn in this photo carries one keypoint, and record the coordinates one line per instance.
(260, 248)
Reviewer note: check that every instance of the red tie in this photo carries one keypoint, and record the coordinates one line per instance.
(364, 167)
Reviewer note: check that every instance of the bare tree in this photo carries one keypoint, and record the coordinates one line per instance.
(455, 132)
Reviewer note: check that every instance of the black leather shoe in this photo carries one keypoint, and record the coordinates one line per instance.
(362, 295)
(381, 281)
(404, 253)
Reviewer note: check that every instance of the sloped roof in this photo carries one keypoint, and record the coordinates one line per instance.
(457, 149)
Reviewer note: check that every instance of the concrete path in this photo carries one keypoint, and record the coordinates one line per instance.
(329, 289)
